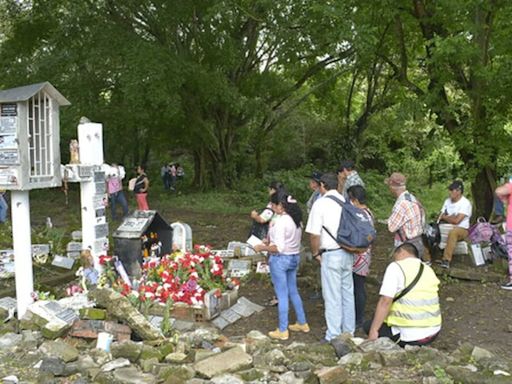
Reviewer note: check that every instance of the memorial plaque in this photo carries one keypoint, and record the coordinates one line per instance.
(100, 188)
(53, 307)
(74, 255)
(99, 201)
(224, 253)
(8, 142)
(100, 212)
(101, 230)
(239, 268)
(67, 315)
(244, 300)
(7, 109)
(230, 316)
(63, 262)
(100, 246)
(99, 177)
(212, 304)
(242, 309)
(220, 322)
(85, 171)
(133, 224)
(9, 157)
(40, 249)
(7, 125)
(74, 246)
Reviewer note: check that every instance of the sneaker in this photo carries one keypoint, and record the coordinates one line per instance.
(299, 327)
(507, 286)
(445, 264)
(277, 334)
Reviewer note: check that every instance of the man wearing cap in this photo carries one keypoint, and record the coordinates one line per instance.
(408, 310)
(407, 216)
(314, 184)
(347, 177)
(457, 211)
(335, 262)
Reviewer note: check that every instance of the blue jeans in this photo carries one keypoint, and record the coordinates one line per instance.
(120, 198)
(3, 209)
(283, 270)
(338, 292)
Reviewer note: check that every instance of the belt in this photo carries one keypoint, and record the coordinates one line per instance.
(333, 249)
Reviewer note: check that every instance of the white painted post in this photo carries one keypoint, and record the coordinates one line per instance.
(22, 244)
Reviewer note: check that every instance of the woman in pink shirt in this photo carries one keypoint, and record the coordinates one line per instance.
(284, 247)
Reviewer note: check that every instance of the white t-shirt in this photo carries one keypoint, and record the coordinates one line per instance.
(325, 212)
(462, 206)
(285, 235)
(394, 282)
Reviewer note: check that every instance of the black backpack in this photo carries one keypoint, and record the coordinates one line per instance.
(356, 231)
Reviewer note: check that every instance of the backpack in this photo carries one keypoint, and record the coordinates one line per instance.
(480, 231)
(355, 231)
(432, 235)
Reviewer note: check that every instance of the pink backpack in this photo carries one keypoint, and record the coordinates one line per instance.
(480, 231)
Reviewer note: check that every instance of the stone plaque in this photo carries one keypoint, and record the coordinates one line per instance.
(242, 309)
(238, 267)
(63, 262)
(100, 188)
(67, 315)
(9, 157)
(99, 176)
(74, 246)
(220, 322)
(8, 303)
(244, 300)
(230, 316)
(85, 171)
(101, 230)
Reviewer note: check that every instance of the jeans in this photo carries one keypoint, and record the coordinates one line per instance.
(359, 297)
(338, 292)
(283, 271)
(3, 209)
(118, 197)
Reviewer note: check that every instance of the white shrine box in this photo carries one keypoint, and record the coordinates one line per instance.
(30, 137)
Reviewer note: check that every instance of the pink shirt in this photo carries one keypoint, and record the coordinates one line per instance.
(509, 208)
(285, 235)
(114, 185)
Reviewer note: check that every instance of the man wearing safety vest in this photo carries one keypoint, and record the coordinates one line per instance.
(408, 310)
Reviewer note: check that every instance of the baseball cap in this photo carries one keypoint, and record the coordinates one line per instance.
(396, 180)
(346, 164)
(456, 184)
(315, 175)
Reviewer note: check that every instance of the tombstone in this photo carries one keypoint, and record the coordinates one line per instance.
(29, 159)
(128, 245)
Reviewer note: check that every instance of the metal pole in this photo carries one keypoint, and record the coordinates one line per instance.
(22, 244)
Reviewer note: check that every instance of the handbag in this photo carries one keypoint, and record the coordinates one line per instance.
(480, 231)
(131, 184)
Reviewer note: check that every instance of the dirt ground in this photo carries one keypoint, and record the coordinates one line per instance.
(473, 312)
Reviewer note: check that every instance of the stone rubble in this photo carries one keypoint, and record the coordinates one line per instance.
(199, 354)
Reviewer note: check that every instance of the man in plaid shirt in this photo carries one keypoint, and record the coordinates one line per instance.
(407, 217)
(348, 177)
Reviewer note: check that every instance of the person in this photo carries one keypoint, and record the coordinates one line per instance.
(335, 262)
(347, 177)
(141, 189)
(166, 177)
(457, 211)
(173, 173)
(504, 192)
(284, 247)
(408, 310)
(362, 261)
(314, 185)
(407, 217)
(3, 207)
(115, 190)
(261, 221)
(180, 172)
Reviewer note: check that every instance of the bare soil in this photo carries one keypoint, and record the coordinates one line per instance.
(473, 312)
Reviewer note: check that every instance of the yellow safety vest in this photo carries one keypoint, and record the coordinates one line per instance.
(420, 306)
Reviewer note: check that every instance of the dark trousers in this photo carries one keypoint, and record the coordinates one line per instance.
(359, 298)
(385, 331)
(166, 179)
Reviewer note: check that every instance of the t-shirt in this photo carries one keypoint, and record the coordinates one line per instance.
(285, 235)
(325, 212)
(462, 206)
(394, 282)
(267, 213)
(509, 208)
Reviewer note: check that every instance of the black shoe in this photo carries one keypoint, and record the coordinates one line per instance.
(507, 286)
(445, 264)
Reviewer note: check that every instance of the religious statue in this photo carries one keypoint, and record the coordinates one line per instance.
(74, 156)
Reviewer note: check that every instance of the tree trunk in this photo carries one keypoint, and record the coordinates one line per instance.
(483, 193)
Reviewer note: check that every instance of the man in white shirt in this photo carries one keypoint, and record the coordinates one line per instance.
(457, 211)
(335, 262)
(408, 310)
